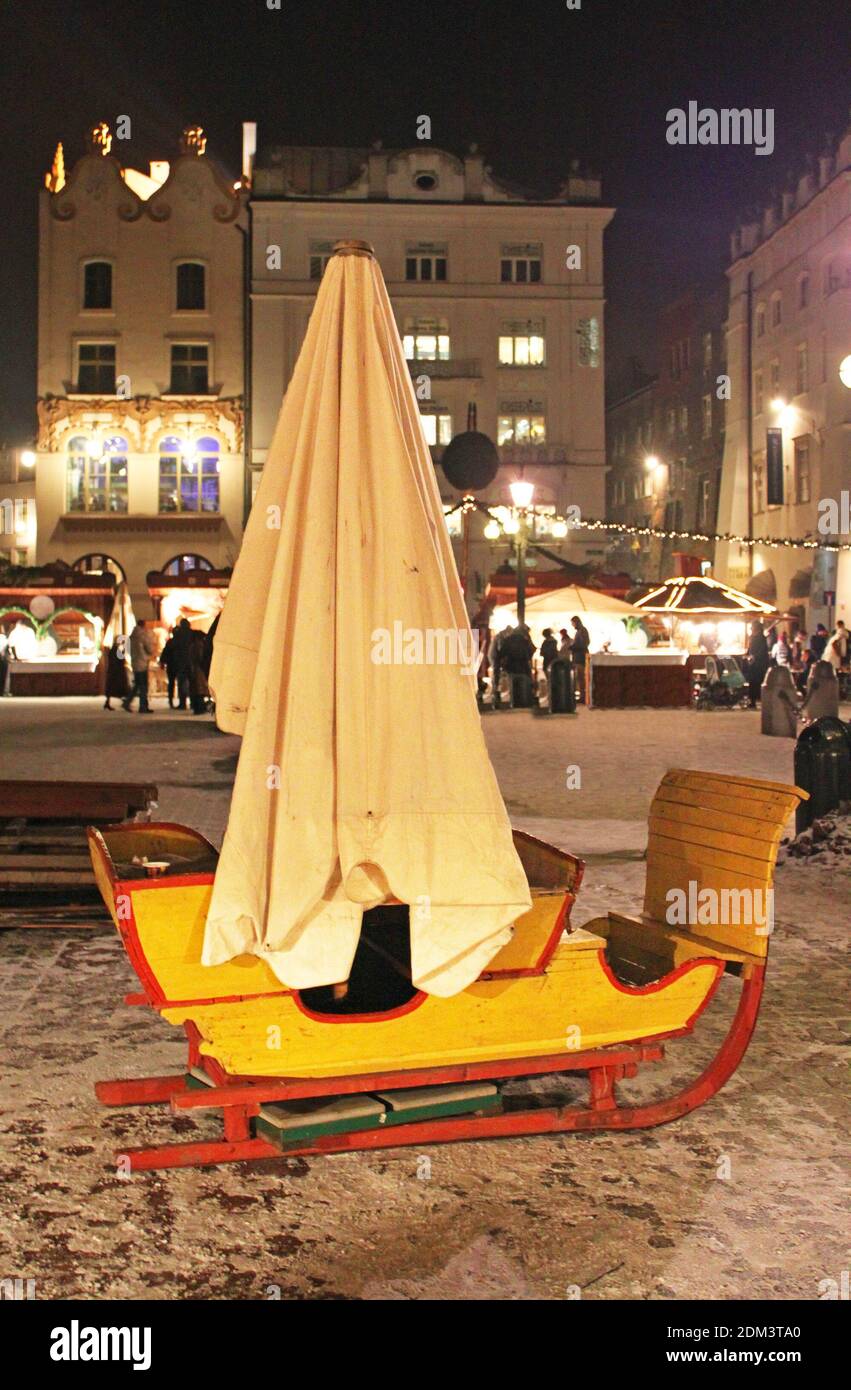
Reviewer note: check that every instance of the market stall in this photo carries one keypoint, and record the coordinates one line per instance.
(622, 669)
(52, 623)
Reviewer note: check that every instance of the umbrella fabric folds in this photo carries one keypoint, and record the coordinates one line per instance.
(344, 658)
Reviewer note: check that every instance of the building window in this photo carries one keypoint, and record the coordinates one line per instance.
(97, 285)
(760, 320)
(774, 376)
(425, 263)
(831, 280)
(96, 369)
(588, 333)
(703, 501)
(185, 564)
(189, 369)
(757, 393)
(803, 291)
(518, 425)
(321, 253)
(776, 311)
(684, 419)
(437, 427)
(99, 564)
(707, 351)
(802, 468)
(191, 285)
(189, 475)
(522, 345)
(97, 474)
(802, 369)
(426, 341)
(520, 265)
(707, 416)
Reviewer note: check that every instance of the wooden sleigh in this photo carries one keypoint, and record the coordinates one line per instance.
(305, 1072)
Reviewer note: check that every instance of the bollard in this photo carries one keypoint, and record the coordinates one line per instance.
(522, 691)
(822, 694)
(779, 703)
(561, 696)
(822, 768)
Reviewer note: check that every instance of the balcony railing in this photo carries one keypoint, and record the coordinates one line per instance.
(518, 454)
(444, 371)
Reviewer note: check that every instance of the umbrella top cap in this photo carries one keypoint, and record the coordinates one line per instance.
(353, 248)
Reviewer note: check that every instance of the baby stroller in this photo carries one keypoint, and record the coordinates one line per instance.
(725, 686)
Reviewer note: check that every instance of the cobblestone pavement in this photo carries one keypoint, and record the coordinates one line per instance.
(744, 1198)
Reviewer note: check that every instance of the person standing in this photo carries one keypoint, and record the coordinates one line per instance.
(781, 652)
(548, 650)
(495, 660)
(756, 662)
(836, 651)
(818, 642)
(579, 647)
(167, 662)
(116, 684)
(182, 660)
(141, 652)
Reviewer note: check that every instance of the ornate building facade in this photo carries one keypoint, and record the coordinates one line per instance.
(498, 296)
(787, 458)
(140, 456)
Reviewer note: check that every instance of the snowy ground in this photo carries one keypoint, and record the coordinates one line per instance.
(644, 1215)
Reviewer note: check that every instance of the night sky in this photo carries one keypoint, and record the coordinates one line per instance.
(534, 83)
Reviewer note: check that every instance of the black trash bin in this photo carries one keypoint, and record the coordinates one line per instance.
(562, 698)
(522, 691)
(822, 768)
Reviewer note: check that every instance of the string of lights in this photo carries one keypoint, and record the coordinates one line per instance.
(623, 528)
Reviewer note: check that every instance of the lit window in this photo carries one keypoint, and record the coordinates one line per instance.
(185, 564)
(776, 311)
(760, 320)
(588, 333)
(774, 376)
(97, 285)
(189, 369)
(707, 416)
(191, 286)
(684, 419)
(757, 393)
(802, 468)
(189, 475)
(437, 427)
(522, 349)
(96, 474)
(96, 369)
(521, 428)
(707, 351)
(703, 499)
(426, 342)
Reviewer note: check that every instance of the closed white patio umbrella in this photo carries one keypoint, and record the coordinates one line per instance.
(340, 658)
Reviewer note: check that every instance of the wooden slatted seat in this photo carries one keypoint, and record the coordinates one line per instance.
(707, 831)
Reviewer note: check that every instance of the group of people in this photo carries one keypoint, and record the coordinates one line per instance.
(185, 658)
(800, 653)
(511, 651)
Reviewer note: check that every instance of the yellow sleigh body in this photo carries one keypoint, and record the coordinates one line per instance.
(600, 998)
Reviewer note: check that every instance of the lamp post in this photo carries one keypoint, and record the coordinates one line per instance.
(522, 493)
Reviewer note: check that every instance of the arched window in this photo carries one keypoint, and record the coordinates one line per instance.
(97, 285)
(97, 474)
(191, 285)
(189, 474)
(100, 564)
(184, 564)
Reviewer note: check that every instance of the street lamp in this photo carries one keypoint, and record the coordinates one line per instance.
(27, 458)
(522, 493)
(845, 371)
